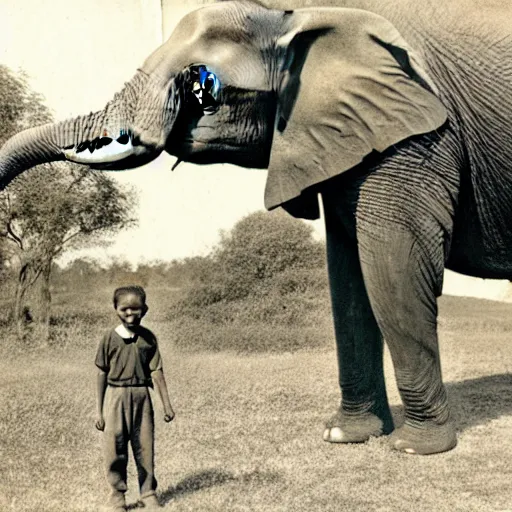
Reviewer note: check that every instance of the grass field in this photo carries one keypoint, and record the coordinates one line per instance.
(248, 430)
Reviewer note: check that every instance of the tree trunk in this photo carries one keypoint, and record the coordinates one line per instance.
(21, 313)
(46, 300)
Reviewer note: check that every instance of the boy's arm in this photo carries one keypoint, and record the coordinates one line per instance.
(161, 388)
(101, 386)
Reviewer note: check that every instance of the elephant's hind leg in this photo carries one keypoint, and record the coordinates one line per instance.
(364, 409)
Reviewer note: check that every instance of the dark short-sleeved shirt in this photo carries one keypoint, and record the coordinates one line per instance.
(129, 361)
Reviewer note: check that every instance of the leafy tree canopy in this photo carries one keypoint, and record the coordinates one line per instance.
(53, 206)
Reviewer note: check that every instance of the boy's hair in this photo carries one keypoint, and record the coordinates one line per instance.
(125, 290)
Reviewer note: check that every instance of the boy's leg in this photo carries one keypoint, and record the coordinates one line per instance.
(116, 438)
(142, 440)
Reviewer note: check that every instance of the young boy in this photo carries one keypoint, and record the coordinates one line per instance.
(129, 363)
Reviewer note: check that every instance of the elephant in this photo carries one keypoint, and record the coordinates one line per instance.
(395, 115)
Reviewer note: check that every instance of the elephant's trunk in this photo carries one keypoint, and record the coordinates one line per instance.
(130, 131)
(26, 149)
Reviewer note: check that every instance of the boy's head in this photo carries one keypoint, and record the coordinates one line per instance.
(130, 305)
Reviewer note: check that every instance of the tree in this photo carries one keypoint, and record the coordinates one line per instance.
(47, 211)
(259, 247)
(20, 107)
(53, 207)
(262, 245)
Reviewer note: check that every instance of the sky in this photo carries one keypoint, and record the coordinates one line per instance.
(78, 54)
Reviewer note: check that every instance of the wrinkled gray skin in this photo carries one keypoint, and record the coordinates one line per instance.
(438, 194)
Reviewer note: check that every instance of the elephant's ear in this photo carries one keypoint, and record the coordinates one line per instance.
(350, 85)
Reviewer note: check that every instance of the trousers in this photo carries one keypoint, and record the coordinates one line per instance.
(129, 419)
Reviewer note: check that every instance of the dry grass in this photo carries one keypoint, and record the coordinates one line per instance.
(247, 436)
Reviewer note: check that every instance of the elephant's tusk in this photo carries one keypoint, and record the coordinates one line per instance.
(178, 162)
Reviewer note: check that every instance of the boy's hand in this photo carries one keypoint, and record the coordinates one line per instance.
(100, 423)
(169, 416)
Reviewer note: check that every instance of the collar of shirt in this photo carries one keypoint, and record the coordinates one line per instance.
(124, 332)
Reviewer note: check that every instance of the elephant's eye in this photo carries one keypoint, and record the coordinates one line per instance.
(205, 87)
(212, 85)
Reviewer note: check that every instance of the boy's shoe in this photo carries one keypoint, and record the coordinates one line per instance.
(151, 503)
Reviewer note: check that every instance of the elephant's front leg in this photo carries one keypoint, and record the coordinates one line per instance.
(364, 409)
(402, 251)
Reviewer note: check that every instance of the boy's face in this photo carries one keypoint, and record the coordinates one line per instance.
(131, 310)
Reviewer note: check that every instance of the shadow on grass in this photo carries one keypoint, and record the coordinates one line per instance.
(207, 479)
(213, 478)
(475, 401)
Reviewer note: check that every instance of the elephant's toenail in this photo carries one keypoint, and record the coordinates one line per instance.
(327, 431)
(410, 450)
(336, 435)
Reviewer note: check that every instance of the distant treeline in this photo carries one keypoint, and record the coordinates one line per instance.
(85, 272)
(257, 250)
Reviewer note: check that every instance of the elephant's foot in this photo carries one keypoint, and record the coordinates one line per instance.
(424, 439)
(356, 428)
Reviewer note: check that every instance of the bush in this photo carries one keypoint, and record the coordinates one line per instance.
(286, 313)
(264, 289)
(262, 245)
(251, 337)
(295, 281)
(259, 248)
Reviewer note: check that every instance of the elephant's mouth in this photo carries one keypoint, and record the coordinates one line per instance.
(255, 155)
